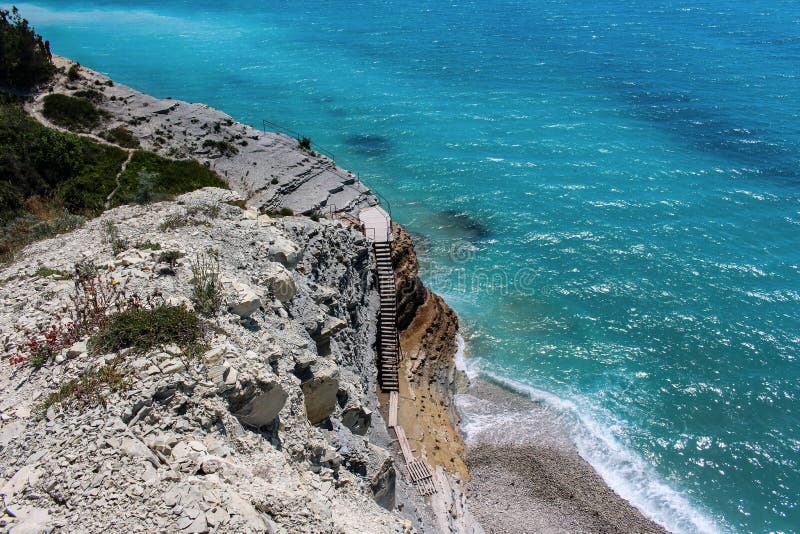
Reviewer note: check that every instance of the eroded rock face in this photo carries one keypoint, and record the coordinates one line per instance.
(227, 441)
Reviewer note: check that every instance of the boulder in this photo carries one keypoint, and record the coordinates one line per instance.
(238, 506)
(357, 419)
(135, 449)
(330, 327)
(279, 281)
(319, 392)
(284, 251)
(31, 521)
(245, 301)
(257, 402)
(382, 477)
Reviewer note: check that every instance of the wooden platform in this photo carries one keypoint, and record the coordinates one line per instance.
(420, 474)
(377, 224)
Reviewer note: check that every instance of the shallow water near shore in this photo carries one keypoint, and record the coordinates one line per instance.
(608, 193)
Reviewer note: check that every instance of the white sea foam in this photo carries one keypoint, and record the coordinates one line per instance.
(621, 468)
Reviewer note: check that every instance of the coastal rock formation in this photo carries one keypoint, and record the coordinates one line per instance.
(428, 383)
(257, 432)
(275, 426)
(271, 170)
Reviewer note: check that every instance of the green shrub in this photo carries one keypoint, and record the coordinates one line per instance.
(50, 181)
(148, 245)
(24, 57)
(92, 182)
(72, 113)
(11, 202)
(223, 148)
(206, 287)
(121, 136)
(165, 179)
(145, 328)
(46, 272)
(304, 142)
(90, 94)
(74, 72)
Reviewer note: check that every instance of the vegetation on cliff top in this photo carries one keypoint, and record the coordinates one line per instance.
(24, 56)
(51, 181)
(76, 114)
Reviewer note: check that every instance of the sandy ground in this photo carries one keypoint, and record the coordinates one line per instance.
(528, 477)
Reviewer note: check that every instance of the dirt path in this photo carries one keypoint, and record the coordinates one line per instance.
(117, 177)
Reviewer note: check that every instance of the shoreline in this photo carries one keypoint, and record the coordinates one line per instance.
(532, 474)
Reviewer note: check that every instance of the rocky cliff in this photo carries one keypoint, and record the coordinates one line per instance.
(428, 339)
(270, 420)
(266, 428)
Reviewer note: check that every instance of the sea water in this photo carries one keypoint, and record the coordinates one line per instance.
(607, 192)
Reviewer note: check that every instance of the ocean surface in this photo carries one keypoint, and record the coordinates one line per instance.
(607, 192)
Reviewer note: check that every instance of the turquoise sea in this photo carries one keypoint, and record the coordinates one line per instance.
(607, 192)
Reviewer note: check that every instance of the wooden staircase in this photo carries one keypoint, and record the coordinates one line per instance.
(376, 225)
(388, 337)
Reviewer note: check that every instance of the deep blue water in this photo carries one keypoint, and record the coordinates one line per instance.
(607, 192)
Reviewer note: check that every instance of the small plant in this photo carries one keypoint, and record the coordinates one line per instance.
(64, 222)
(90, 388)
(143, 328)
(210, 211)
(223, 148)
(283, 212)
(148, 245)
(46, 272)
(170, 257)
(239, 203)
(94, 297)
(74, 72)
(304, 142)
(274, 181)
(173, 221)
(207, 289)
(113, 238)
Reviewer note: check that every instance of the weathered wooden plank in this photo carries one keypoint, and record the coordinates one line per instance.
(405, 447)
(394, 397)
